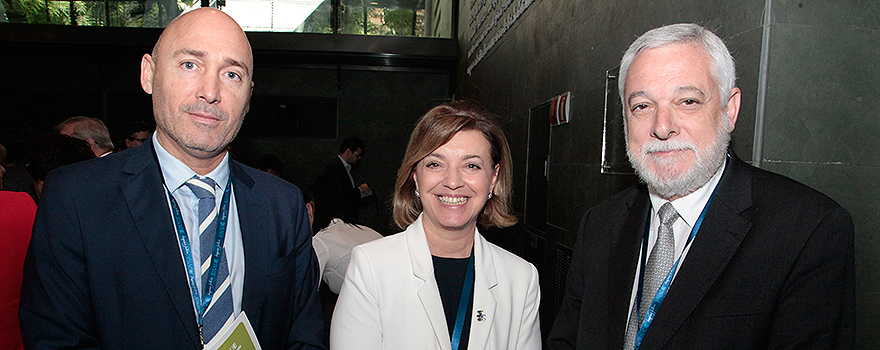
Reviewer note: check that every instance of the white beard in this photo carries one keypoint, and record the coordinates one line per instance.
(662, 181)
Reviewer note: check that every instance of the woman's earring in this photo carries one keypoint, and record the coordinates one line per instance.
(490, 195)
(417, 194)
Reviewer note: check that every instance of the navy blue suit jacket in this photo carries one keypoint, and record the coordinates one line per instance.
(770, 268)
(104, 267)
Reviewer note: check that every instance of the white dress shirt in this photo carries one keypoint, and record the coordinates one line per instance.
(333, 246)
(353, 185)
(347, 170)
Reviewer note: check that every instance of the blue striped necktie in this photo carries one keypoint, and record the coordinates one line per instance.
(220, 308)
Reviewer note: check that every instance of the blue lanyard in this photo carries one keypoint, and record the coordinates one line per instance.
(664, 287)
(463, 302)
(183, 238)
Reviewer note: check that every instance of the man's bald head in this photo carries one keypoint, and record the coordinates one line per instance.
(200, 76)
(202, 21)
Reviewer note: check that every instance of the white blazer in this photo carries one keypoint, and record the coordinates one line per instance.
(390, 300)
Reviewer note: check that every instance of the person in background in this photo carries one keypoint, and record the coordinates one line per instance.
(17, 137)
(710, 252)
(333, 241)
(271, 163)
(17, 211)
(136, 133)
(160, 246)
(338, 173)
(334, 237)
(91, 130)
(54, 151)
(2, 169)
(439, 284)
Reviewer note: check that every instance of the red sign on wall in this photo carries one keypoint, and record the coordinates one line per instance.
(559, 108)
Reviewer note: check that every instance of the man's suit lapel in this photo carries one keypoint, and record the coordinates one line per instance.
(484, 280)
(625, 258)
(720, 235)
(429, 293)
(142, 187)
(251, 218)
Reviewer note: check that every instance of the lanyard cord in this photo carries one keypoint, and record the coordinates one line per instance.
(463, 302)
(661, 292)
(203, 302)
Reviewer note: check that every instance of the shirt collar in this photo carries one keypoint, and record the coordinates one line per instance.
(176, 173)
(344, 163)
(691, 206)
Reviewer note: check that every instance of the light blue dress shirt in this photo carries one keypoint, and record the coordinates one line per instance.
(176, 173)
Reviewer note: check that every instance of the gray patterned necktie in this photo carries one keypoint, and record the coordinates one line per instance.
(658, 266)
(220, 308)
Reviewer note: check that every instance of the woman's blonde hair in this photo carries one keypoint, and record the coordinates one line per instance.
(435, 129)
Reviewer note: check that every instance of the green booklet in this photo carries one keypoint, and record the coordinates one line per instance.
(235, 335)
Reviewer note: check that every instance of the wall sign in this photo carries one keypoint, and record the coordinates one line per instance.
(559, 108)
(494, 29)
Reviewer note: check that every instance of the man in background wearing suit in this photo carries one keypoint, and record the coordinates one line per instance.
(337, 175)
(159, 246)
(711, 253)
(90, 130)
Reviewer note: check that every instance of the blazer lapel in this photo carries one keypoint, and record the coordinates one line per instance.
(484, 302)
(429, 293)
(144, 193)
(625, 257)
(720, 235)
(251, 219)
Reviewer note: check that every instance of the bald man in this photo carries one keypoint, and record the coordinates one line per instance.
(160, 246)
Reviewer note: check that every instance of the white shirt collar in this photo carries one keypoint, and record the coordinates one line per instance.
(691, 206)
(176, 173)
(345, 164)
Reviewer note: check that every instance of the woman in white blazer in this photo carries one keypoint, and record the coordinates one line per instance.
(439, 284)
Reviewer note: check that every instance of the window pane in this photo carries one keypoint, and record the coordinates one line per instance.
(38, 12)
(319, 20)
(397, 18)
(351, 19)
(158, 13)
(126, 14)
(366, 17)
(138, 13)
(274, 15)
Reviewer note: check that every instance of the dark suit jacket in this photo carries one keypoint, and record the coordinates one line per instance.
(104, 267)
(770, 268)
(337, 180)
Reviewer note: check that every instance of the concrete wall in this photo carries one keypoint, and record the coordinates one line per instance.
(815, 94)
(820, 126)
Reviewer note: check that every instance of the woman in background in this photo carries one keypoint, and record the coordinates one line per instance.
(439, 284)
(17, 212)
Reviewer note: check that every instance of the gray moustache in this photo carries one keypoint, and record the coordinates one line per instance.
(206, 109)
